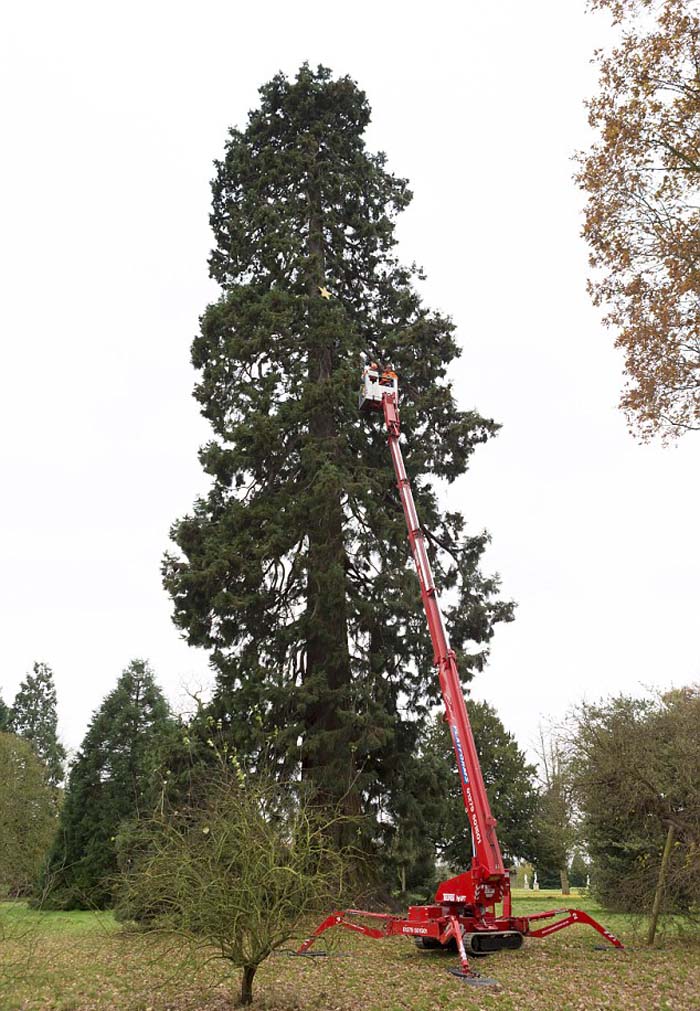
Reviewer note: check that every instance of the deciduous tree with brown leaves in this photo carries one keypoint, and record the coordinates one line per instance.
(642, 178)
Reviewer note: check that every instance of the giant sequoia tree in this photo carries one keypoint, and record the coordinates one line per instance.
(294, 570)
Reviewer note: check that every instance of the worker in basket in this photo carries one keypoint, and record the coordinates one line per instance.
(386, 376)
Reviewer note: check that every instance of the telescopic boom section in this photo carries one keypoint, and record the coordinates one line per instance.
(488, 862)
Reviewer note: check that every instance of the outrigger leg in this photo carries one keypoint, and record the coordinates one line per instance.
(573, 916)
(465, 972)
(337, 919)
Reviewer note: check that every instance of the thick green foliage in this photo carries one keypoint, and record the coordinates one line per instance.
(509, 781)
(294, 570)
(114, 778)
(33, 716)
(27, 815)
(637, 771)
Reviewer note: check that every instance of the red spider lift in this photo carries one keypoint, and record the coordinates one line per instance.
(463, 915)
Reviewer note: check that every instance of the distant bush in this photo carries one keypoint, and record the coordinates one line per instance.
(637, 779)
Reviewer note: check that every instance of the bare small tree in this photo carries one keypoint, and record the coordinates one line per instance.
(554, 822)
(237, 874)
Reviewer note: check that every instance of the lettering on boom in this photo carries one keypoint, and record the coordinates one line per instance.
(460, 754)
(468, 790)
(471, 808)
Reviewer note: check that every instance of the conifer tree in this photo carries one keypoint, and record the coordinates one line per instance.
(4, 715)
(33, 717)
(114, 778)
(510, 785)
(294, 570)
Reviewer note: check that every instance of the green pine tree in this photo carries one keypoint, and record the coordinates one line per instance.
(33, 717)
(115, 777)
(294, 570)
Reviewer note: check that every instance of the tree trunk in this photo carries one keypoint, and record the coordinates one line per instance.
(327, 759)
(247, 984)
(564, 875)
(402, 872)
(660, 884)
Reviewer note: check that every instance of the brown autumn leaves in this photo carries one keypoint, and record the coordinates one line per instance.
(642, 180)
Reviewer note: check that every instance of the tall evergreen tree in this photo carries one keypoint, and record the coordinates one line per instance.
(34, 717)
(114, 778)
(294, 570)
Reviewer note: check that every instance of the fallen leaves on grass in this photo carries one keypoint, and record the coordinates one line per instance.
(107, 970)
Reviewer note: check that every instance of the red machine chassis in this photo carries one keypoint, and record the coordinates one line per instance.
(465, 905)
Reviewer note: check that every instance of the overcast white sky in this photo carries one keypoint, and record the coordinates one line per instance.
(112, 116)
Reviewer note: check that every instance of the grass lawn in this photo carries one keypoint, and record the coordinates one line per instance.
(86, 962)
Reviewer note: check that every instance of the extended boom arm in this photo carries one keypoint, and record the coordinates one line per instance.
(488, 862)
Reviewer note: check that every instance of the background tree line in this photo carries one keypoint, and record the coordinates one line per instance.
(616, 798)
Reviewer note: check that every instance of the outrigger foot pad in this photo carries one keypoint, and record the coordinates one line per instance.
(473, 978)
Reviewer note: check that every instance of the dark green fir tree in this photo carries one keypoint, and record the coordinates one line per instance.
(294, 571)
(510, 785)
(34, 717)
(117, 775)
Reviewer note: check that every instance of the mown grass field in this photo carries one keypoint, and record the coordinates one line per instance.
(86, 962)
